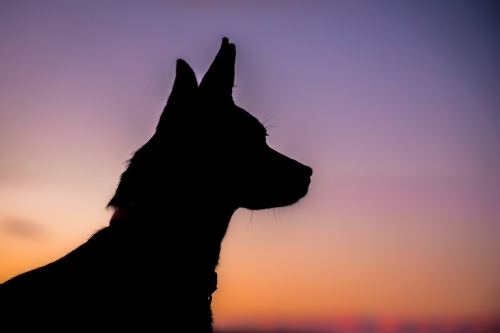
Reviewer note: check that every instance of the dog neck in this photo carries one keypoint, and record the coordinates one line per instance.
(207, 242)
(210, 231)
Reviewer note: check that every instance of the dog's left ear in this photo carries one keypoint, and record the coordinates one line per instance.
(183, 96)
(217, 84)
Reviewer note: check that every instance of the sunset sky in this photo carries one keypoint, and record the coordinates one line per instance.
(394, 104)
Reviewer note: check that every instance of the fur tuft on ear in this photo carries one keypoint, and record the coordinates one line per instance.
(219, 80)
(183, 93)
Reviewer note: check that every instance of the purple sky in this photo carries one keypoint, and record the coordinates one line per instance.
(396, 106)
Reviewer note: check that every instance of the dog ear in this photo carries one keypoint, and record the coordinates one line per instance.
(183, 96)
(219, 80)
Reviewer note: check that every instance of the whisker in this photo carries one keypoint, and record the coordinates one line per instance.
(250, 220)
(264, 123)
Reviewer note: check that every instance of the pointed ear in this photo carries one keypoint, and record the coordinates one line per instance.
(219, 80)
(183, 95)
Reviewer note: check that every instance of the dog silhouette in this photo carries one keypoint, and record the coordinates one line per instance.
(154, 266)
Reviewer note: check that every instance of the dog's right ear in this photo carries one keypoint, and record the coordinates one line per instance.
(183, 96)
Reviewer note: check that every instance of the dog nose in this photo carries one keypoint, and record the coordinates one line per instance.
(309, 171)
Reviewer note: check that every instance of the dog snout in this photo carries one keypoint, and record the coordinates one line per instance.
(303, 171)
(308, 171)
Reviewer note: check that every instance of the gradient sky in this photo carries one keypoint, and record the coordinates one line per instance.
(396, 107)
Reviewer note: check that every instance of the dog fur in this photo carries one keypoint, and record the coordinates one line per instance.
(153, 267)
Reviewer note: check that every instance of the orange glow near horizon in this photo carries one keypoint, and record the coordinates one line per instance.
(364, 278)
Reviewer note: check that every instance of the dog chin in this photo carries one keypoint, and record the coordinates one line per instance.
(278, 201)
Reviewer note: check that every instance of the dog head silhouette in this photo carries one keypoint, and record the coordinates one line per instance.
(207, 152)
(207, 158)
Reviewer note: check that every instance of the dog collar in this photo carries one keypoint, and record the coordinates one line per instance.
(121, 213)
